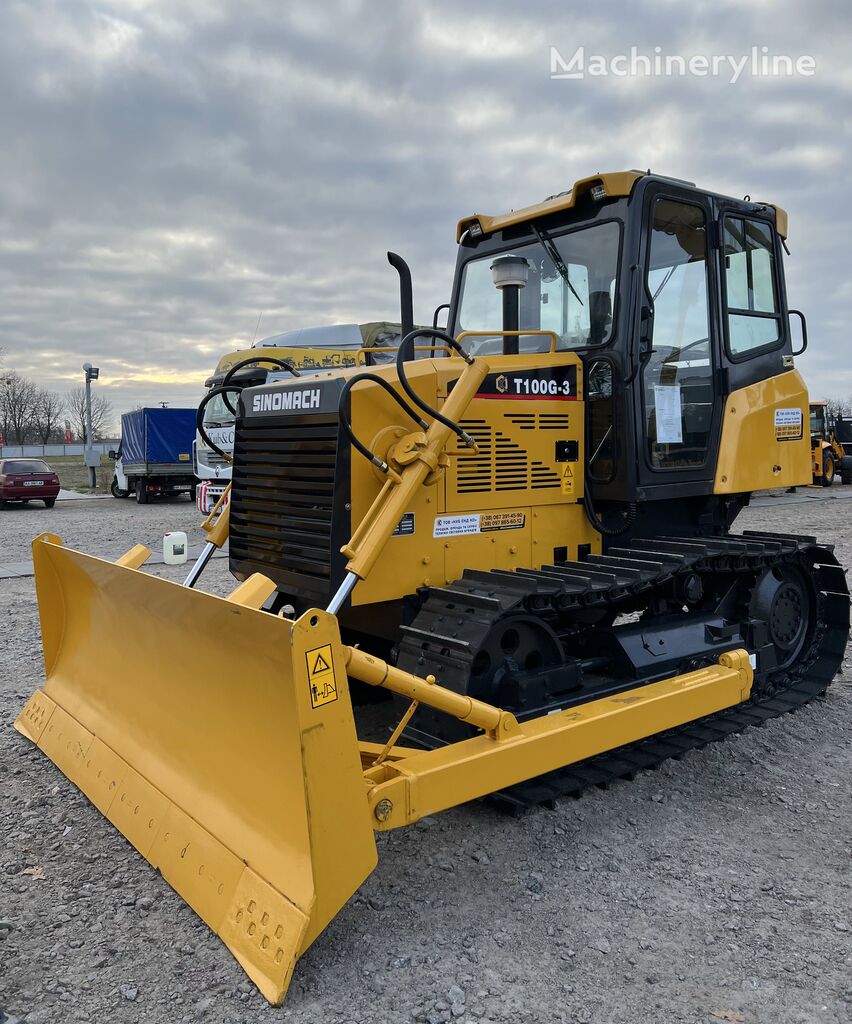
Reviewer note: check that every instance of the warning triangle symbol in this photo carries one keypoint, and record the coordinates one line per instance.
(320, 665)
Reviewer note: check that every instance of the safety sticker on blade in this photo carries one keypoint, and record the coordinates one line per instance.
(788, 424)
(321, 680)
(477, 522)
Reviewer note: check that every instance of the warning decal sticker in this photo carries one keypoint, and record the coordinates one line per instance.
(477, 522)
(321, 679)
(789, 424)
(567, 479)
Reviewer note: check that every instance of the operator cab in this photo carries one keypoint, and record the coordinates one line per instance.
(819, 430)
(672, 296)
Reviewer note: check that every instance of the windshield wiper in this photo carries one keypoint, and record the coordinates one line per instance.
(551, 250)
(665, 281)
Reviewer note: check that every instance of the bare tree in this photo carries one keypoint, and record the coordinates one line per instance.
(18, 398)
(47, 416)
(838, 407)
(102, 414)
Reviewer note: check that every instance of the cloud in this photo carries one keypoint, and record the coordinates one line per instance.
(168, 172)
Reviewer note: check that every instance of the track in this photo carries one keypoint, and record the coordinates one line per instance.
(454, 622)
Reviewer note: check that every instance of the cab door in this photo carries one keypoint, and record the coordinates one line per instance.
(677, 388)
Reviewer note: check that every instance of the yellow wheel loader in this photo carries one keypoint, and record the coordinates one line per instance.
(828, 454)
(520, 533)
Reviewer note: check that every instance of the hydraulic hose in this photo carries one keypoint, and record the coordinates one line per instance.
(346, 426)
(199, 417)
(226, 380)
(609, 531)
(408, 342)
(224, 389)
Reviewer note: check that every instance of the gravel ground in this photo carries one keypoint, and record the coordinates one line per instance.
(716, 888)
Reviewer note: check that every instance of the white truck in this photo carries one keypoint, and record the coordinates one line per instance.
(310, 350)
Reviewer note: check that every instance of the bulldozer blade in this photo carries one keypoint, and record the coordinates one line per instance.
(217, 738)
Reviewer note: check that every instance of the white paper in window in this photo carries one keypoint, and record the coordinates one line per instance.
(668, 406)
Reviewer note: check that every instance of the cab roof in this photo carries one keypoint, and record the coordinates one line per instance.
(614, 183)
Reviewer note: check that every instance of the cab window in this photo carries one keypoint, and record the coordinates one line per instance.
(753, 319)
(818, 420)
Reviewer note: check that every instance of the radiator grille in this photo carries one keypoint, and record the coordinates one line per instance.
(539, 421)
(501, 465)
(211, 458)
(283, 493)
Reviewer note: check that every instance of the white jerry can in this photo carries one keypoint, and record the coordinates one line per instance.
(174, 548)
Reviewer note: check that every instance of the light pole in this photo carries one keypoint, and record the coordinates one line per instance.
(90, 457)
(7, 385)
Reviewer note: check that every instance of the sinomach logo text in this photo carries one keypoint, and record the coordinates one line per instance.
(289, 398)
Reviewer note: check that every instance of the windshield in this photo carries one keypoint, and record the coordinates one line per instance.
(571, 295)
(217, 414)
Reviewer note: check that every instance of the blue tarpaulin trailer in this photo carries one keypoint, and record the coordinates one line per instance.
(155, 455)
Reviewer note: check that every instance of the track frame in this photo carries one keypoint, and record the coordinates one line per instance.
(614, 581)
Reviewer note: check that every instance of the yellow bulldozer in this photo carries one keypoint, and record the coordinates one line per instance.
(520, 532)
(829, 454)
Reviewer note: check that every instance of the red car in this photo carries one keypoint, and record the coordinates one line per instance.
(24, 479)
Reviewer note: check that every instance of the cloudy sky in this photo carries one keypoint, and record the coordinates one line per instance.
(170, 171)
